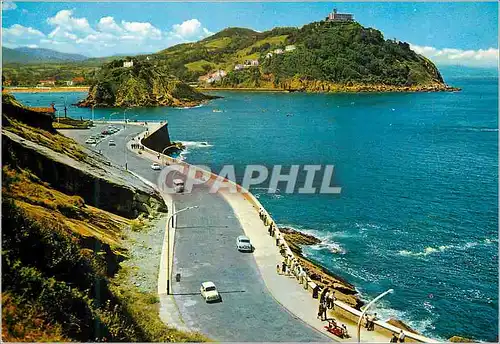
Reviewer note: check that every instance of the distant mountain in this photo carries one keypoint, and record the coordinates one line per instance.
(35, 55)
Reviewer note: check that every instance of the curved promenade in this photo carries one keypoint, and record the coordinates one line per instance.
(238, 215)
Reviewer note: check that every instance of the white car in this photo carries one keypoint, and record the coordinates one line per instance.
(112, 143)
(156, 166)
(91, 142)
(243, 244)
(209, 292)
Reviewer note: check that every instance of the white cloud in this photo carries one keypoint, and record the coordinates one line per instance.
(449, 56)
(64, 20)
(141, 30)
(18, 35)
(73, 34)
(190, 30)
(8, 5)
(108, 24)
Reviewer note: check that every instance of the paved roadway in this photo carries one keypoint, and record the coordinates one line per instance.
(205, 250)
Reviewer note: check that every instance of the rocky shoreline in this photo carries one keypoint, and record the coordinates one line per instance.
(327, 87)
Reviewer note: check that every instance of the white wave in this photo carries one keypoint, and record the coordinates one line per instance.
(431, 250)
(327, 242)
(268, 190)
(332, 247)
(196, 144)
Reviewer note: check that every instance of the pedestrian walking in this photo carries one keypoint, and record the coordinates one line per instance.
(278, 269)
(394, 338)
(278, 237)
(283, 267)
(331, 300)
(326, 297)
(323, 315)
(320, 310)
(401, 336)
(322, 296)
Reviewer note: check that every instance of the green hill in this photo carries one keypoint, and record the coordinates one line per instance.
(146, 83)
(326, 56)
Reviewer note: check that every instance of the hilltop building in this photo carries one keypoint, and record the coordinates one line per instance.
(239, 66)
(251, 63)
(216, 76)
(278, 51)
(340, 17)
(290, 48)
(128, 64)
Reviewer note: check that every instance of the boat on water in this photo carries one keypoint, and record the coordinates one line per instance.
(216, 110)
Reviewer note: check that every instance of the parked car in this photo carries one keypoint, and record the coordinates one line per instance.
(90, 141)
(155, 166)
(243, 244)
(209, 292)
(112, 143)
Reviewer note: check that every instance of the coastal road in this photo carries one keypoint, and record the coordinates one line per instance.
(205, 250)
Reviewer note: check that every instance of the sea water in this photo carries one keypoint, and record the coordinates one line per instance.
(418, 210)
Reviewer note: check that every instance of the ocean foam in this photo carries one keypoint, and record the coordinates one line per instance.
(431, 250)
(196, 144)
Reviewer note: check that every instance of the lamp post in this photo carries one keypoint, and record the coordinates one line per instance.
(111, 114)
(367, 307)
(126, 149)
(168, 242)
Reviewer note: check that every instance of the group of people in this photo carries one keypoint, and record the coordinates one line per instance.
(137, 146)
(334, 328)
(398, 338)
(326, 301)
(370, 321)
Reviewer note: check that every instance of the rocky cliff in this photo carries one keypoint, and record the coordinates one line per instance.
(145, 83)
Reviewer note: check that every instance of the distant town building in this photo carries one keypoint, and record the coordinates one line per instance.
(128, 64)
(278, 51)
(216, 76)
(339, 17)
(251, 63)
(48, 82)
(290, 48)
(78, 80)
(148, 58)
(269, 55)
(69, 82)
(239, 67)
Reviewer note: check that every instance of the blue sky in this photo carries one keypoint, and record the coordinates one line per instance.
(449, 33)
